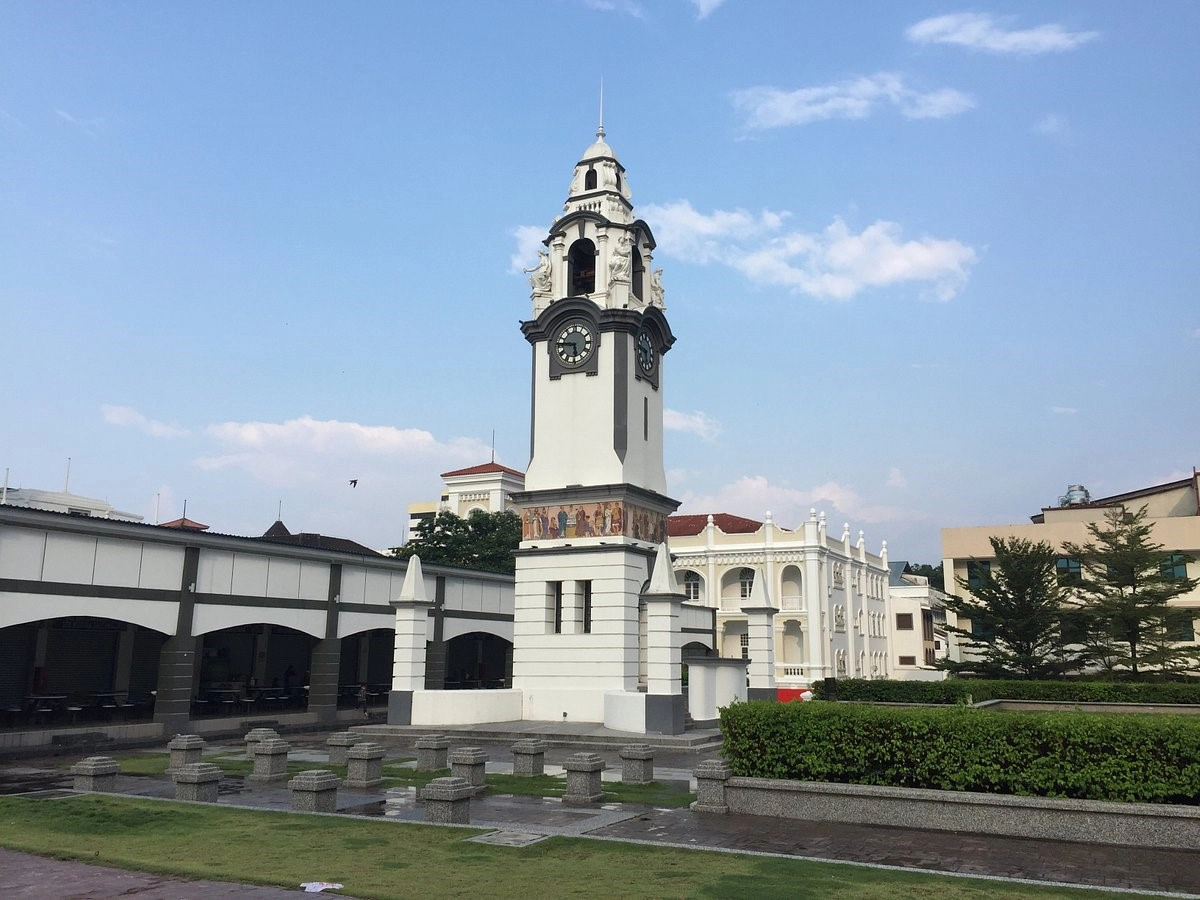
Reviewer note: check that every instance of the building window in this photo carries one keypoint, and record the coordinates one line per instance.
(930, 659)
(908, 660)
(589, 180)
(1174, 567)
(745, 642)
(556, 592)
(691, 584)
(904, 622)
(746, 583)
(975, 573)
(1180, 626)
(586, 587)
(1069, 571)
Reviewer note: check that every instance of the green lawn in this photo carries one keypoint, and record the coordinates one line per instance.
(380, 859)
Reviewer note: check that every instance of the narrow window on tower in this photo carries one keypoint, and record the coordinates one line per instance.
(587, 607)
(645, 418)
(589, 180)
(556, 599)
(581, 267)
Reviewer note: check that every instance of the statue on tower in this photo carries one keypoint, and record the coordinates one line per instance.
(656, 288)
(618, 266)
(540, 278)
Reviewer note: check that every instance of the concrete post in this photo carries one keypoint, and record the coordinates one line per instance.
(448, 801)
(364, 765)
(314, 791)
(270, 760)
(197, 782)
(408, 665)
(339, 743)
(432, 752)
(637, 764)
(583, 779)
(255, 735)
(529, 757)
(185, 750)
(96, 773)
(469, 763)
(711, 776)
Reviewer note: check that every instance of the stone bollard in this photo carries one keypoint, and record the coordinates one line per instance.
(432, 753)
(339, 743)
(270, 760)
(314, 791)
(254, 735)
(364, 765)
(96, 773)
(469, 763)
(711, 776)
(583, 779)
(529, 757)
(185, 750)
(197, 782)
(638, 764)
(448, 801)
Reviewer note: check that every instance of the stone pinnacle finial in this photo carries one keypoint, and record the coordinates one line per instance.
(600, 129)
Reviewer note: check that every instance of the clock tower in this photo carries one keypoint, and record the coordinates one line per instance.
(594, 508)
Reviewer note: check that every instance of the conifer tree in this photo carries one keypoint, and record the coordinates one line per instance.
(1016, 614)
(1126, 583)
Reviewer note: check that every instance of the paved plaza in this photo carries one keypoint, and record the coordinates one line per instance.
(519, 821)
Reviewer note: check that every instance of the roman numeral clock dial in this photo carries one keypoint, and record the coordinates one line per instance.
(574, 344)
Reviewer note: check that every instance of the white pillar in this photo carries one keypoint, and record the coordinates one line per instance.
(412, 612)
(663, 650)
(760, 625)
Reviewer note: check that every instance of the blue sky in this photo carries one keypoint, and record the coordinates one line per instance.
(927, 263)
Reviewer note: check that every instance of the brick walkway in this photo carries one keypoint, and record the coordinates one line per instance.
(1138, 869)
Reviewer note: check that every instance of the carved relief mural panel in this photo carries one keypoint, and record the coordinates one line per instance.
(611, 518)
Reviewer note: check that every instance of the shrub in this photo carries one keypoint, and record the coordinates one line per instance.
(956, 690)
(1131, 758)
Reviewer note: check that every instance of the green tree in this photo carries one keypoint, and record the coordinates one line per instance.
(1016, 613)
(933, 573)
(483, 540)
(1126, 584)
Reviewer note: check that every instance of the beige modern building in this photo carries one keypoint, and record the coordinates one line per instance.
(1173, 510)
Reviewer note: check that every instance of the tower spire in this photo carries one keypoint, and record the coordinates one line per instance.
(600, 129)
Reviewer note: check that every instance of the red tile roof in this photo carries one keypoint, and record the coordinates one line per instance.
(484, 469)
(684, 526)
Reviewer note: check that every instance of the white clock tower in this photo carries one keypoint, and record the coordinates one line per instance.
(594, 506)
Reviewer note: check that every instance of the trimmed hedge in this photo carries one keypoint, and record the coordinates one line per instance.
(956, 690)
(1130, 758)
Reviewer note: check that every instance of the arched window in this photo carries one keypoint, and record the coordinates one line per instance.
(639, 271)
(691, 584)
(589, 180)
(618, 179)
(581, 267)
(745, 583)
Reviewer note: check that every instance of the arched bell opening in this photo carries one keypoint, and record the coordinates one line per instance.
(581, 268)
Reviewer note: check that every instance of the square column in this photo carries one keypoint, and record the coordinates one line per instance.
(760, 625)
(408, 662)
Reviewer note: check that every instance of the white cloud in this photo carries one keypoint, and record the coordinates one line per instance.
(704, 7)
(835, 263)
(128, 417)
(753, 495)
(90, 127)
(896, 479)
(698, 423)
(308, 450)
(857, 98)
(1064, 410)
(1052, 125)
(628, 7)
(529, 242)
(980, 31)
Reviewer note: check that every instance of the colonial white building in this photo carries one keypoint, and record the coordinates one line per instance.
(919, 617)
(487, 487)
(831, 593)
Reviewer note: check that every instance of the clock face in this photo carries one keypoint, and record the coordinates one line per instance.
(574, 344)
(645, 352)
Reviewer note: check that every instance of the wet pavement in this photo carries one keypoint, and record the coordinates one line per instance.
(520, 821)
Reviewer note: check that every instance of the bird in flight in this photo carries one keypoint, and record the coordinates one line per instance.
(353, 482)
